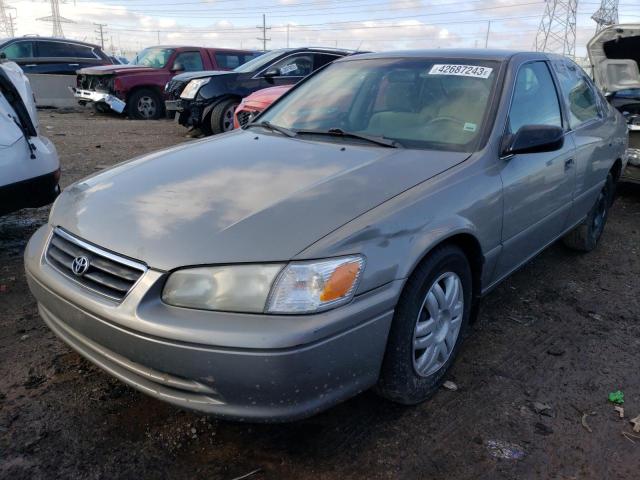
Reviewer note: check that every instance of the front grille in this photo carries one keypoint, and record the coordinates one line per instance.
(174, 88)
(107, 274)
(99, 83)
(245, 116)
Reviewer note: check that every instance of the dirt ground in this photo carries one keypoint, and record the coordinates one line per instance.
(549, 346)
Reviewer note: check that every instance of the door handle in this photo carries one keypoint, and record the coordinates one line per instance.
(31, 65)
(74, 64)
(568, 163)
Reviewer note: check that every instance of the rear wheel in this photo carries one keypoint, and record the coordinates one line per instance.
(221, 118)
(585, 236)
(145, 104)
(428, 327)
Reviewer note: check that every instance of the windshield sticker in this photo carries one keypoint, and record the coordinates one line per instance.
(288, 69)
(470, 127)
(461, 70)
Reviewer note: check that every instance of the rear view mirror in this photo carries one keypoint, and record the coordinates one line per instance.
(533, 139)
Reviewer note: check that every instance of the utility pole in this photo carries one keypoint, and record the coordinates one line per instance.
(100, 32)
(158, 32)
(264, 29)
(606, 15)
(56, 19)
(486, 39)
(6, 21)
(557, 30)
(288, 35)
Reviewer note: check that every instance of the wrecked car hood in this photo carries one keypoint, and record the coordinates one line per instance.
(202, 203)
(116, 69)
(615, 54)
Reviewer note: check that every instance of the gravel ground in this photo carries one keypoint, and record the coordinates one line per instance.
(550, 344)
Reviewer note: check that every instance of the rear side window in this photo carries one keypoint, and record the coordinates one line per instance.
(321, 59)
(535, 101)
(190, 61)
(578, 93)
(80, 51)
(55, 49)
(228, 60)
(18, 50)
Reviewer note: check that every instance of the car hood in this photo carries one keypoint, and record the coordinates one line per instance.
(185, 77)
(615, 54)
(116, 69)
(265, 97)
(240, 197)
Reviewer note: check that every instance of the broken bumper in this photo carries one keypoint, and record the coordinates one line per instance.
(85, 96)
(267, 373)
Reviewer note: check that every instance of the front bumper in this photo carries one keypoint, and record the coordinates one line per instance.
(239, 366)
(31, 193)
(85, 96)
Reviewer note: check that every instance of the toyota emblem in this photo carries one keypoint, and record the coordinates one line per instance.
(80, 265)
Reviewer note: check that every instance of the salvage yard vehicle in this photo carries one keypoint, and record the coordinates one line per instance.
(348, 243)
(255, 103)
(29, 164)
(138, 86)
(53, 56)
(207, 100)
(615, 55)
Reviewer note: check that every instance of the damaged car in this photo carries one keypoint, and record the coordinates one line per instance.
(615, 56)
(29, 164)
(138, 87)
(206, 101)
(251, 106)
(336, 244)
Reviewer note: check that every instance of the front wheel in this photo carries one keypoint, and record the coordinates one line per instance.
(222, 116)
(145, 104)
(428, 327)
(585, 236)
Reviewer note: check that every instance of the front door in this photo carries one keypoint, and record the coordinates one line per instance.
(537, 187)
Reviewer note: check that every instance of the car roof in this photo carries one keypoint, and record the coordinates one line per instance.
(56, 39)
(466, 53)
(206, 48)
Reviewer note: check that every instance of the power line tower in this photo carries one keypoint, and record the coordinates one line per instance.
(606, 15)
(100, 32)
(557, 30)
(264, 29)
(56, 19)
(6, 21)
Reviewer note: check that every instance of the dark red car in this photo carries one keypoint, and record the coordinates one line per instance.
(255, 103)
(138, 87)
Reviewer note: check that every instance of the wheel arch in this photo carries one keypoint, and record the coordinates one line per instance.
(153, 88)
(616, 169)
(207, 110)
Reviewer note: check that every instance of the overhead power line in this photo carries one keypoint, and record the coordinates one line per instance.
(56, 19)
(6, 21)
(606, 15)
(557, 30)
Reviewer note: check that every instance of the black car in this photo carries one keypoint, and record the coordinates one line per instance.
(207, 100)
(57, 56)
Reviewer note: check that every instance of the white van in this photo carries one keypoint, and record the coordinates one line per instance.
(29, 164)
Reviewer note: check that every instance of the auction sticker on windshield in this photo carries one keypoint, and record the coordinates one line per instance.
(461, 70)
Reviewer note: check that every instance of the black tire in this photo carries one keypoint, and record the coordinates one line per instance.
(585, 236)
(145, 104)
(399, 379)
(219, 119)
(101, 107)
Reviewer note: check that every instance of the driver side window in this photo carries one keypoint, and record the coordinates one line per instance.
(295, 66)
(535, 101)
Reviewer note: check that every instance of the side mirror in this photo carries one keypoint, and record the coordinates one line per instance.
(272, 72)
(177, 67)
(533, 139)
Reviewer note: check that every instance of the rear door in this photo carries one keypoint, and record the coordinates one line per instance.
(538, 187)
(589, 130)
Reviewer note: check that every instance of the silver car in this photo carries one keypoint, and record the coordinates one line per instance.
(339, 242)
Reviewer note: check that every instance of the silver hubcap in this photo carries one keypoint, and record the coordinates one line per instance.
(147, 106)
(438, 324)
(227, 118)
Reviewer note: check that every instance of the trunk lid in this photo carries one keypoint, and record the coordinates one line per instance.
(615, 56)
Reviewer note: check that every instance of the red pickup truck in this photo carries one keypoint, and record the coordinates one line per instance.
(138, 87)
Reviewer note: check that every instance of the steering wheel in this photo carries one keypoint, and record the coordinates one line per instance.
(445, 119)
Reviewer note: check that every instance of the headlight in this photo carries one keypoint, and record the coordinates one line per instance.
(192, 88)
(307, 287)
(237, 288)
(299, 287)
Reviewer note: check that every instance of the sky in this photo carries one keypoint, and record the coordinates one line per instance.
(379, 25)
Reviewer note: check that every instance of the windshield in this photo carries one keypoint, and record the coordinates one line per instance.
(153, 57)
(259, 62)
(420, 103)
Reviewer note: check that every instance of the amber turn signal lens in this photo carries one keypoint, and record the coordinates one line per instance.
(340, 282)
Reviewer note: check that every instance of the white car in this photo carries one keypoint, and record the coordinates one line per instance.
(29, 163)
(615, 56)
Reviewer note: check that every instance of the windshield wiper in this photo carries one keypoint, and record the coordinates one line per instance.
(338, 132)
(272, 127)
